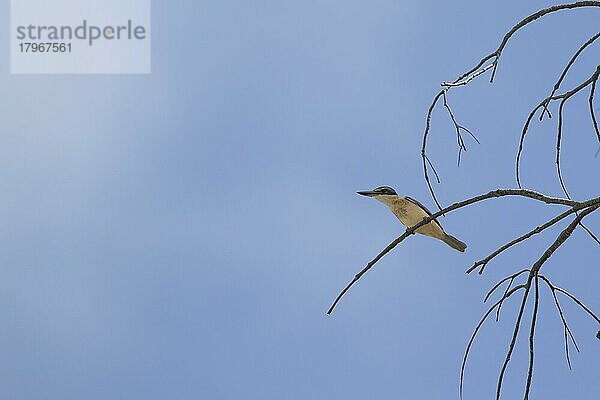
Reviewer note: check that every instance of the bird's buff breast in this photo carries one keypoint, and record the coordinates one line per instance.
(410, 214)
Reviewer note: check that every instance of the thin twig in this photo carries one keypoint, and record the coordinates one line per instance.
(522, 139)
(497, 285)
(536, 305)
(563, 97)
(566, 329)
(479, 325)
(578, 302)
(437, 177)
(461, 143)
(590, 233)
(564, 72)
(468, 79)
(502, 302)
(592, 112)
(482, 263)
(426, 160)
(514, 336)
(558, 143)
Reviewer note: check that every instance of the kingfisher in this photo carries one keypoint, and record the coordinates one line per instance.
(410, 212)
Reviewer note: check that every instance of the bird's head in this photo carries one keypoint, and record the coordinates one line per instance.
(383, 194)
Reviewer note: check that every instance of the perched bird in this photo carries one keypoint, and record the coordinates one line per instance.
(410, 212)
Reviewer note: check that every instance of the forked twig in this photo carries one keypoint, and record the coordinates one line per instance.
(476, 331)
(533, 277)
(566, 329)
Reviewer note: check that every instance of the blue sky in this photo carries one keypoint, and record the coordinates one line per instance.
(181, 234)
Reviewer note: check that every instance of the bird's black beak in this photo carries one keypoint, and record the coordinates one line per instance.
(368, 193)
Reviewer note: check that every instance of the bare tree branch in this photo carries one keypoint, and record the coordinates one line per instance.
(493, 194)
(562, 237)
(532, 277)
(581, 209)
(495, 55)
(480, 68)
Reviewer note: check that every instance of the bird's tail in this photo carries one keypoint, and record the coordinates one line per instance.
(454, 243)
